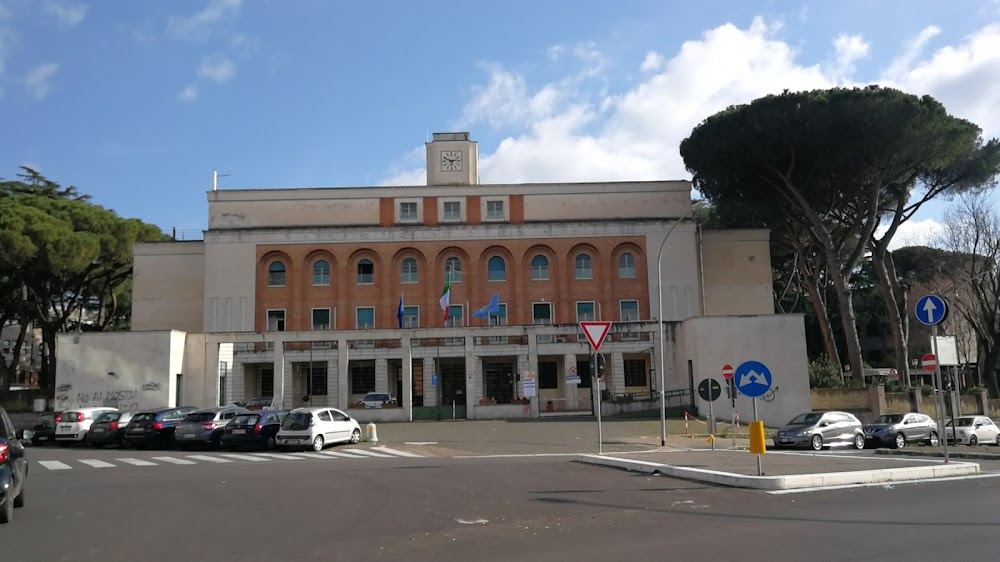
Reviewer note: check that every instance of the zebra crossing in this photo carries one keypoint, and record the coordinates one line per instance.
(223, 458)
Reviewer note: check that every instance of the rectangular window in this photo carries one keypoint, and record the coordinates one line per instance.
(408, 211)
(362, 377)
(629, 311)
(312, 377)
(320, 319)
(455, 316)
(585, 311)
(223, 376)
(494, 210)
(499, 319)
(411, 316)
(275, 320)
(365, 317)
(452, 210)
(541, 313)
(548, 375)
(635, 372)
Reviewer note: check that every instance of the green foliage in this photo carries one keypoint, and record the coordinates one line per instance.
(975, 389)
(824, 374)
(926, 390)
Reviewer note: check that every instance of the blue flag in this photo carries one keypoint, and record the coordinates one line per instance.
(492, 308)
(399, 313)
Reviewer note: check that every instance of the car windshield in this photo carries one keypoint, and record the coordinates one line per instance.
(962, 422)
(260, 402)
(200, 417)
(296, 421)
(889, 418)
(245, 420)
(46, 418)
(377, 398)
(805, 419)
(108, 417)
(145, 416)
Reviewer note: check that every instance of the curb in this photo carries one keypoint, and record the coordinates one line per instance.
(957, 455)
(785, 482)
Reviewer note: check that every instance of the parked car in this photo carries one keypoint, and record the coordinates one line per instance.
(74, 425)
(821, 429)
(376, 399)
(316, 428)
(109, 429)
(264, 403)
(896, 430)
(204, 427)
(13, 468)
(44, 431)
(253, 430)
(155, 427)
(972, 430)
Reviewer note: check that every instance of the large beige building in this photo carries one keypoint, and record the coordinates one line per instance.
(321, 295)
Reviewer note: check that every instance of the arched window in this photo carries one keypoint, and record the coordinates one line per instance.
(409, 272)
(497, 269)
(583, 267)
(321, 273)
(626, 266)
(539, 268)
(366, 272)
(453, 270)
(276, 274)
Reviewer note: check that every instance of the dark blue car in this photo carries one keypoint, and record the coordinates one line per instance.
(13, 469)
(154, 427)
(254, 430)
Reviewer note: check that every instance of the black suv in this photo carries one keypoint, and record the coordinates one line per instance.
(154, 427)
(13, 469)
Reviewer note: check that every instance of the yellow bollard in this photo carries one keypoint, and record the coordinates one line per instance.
(710, 439)
(757, 446)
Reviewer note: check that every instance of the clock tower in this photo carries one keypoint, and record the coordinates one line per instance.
(452, 159)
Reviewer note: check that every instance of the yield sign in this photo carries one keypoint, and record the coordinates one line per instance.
(596, 332)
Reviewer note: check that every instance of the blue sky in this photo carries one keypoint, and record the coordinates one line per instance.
(136, 103)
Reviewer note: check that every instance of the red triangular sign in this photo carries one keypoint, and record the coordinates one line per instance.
(596, 332)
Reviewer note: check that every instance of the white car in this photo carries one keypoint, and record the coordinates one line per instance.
(74, 425)
(316, 428)
(973, 430)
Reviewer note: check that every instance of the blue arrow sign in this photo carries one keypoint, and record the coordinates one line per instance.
(753, 379)
(931, 310)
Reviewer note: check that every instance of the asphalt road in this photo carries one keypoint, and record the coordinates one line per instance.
(441, 508)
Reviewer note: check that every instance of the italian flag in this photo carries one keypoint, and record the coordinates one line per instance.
(445, 300)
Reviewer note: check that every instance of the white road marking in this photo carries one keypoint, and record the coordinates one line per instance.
(367, 453)
(518, 456)
(894, 483)
(55, 465)
(473, 522)
(208, 458)
(136, 462)
(420, 443)
(342, 455)
(96, 463)
(279, 456)
(246, 457)
(309, 456)
(173, 460)
(397, 452)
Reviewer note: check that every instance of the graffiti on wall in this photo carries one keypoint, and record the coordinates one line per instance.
(151, 387)
(120, 398)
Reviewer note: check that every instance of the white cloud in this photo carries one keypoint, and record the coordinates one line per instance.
(197, 26)
(189, 93)
(68, 14)
(653, 62)
(848, 50)
(217, 67)
(37, 81)
(925, 232)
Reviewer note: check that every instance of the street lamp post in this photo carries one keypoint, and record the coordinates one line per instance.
(659, 300)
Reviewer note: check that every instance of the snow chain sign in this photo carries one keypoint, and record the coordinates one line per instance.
(530, 384)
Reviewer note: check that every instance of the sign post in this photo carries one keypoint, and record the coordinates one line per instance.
(596, 332)
(709, 390)
(727, 372)
(931, 310)
(754, 379)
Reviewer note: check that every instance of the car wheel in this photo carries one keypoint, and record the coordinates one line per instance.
(998, 440)
(6, 512)
(97, 445)
(86, 441)
(318, 443)
(282, 448)
(859, 441)
(63, 443)
(900, 441)
(36, 442)
(356, 437)
(816, 443)
(19, 500)
(934, 441)
(271, 443)
(973, 440)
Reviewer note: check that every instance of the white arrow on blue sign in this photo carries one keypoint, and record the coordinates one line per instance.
(931, 310)
(753, 379)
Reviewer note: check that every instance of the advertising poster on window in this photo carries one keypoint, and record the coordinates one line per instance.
(530, 384)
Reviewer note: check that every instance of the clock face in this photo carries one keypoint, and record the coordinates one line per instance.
(451, 161)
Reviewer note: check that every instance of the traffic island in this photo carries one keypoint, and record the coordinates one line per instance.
(782, 471)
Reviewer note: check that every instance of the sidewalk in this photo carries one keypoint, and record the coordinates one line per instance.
(781, 470)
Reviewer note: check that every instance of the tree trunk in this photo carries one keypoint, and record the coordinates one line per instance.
(847, 317)
(825, 326)
(886, 274)
(989, 364)
(47, 378)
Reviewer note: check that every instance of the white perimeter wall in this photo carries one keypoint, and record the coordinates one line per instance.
(777, 341)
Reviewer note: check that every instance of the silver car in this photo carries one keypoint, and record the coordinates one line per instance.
(896, 430)
(817, 430)
(204, 427)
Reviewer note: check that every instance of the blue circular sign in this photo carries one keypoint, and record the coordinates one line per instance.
(753, 379)
(931, 310)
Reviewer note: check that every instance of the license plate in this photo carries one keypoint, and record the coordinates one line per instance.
(187, 436)
(99, 430)
(135, 429)
(294, 441)
(66, 426)
(43, 438)
(239, 432)
(785, 440)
